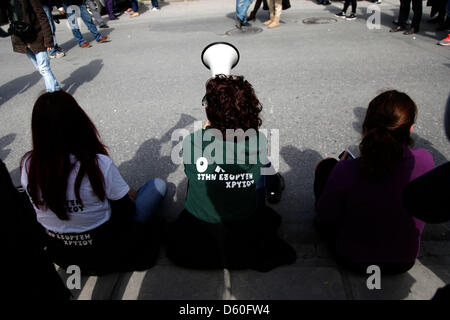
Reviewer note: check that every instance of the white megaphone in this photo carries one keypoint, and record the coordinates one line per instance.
(220, 57)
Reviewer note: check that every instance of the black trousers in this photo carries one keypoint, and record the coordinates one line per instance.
(347, 4)
(404, 13)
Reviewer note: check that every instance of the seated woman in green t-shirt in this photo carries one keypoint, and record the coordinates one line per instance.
(225, 223)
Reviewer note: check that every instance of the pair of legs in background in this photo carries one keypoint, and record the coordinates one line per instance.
(352, 15)
(96, 12)
(275, 8)
(241, 11)
(135, 6)
(72, 12)
(404, 13)
(56, 52)
(403, 16)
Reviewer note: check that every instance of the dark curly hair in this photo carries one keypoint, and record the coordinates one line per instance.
(386, 130)
(231, 103)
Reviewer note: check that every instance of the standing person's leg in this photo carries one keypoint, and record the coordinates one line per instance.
(241, 9)
(441, 11)
(354, 4)
(405, 6)
(110, 7)
(252, 15)
(52, 27)
(446, 41)
(134, 5)
(271, 4)
(87, 19)
(352, 15)
(41, 62)
(278, 4)
(150, 196)
(73, 23)
(155, 5)
(95, 12)
(346, 5)
(135, 8)
(444, 24)
(417, 9)
(342, 14)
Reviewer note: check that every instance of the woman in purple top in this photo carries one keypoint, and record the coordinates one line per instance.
(360, 210)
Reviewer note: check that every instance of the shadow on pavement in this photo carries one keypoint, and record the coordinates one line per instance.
(393, 287)
(4, 152)
(148, 163)
(18, 85)
(298, 195)
(82, 75)
(4, 142)
(91, 287)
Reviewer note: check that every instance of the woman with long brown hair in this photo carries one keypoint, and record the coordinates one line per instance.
(225, 223)
(360, 209)
(93, 219)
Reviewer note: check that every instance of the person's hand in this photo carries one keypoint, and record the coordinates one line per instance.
(132, 194)
(207, 123)
(61, 11)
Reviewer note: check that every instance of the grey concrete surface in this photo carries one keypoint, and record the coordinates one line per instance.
(288, 283)
(314, 82)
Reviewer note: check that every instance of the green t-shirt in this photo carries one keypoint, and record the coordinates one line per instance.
(223, 188)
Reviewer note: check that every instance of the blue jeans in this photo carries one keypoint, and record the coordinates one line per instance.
(155, 4)
(134, 5)
(150, 196)
(48, 12)
(241, 9)
(87, 19)
(41, 61)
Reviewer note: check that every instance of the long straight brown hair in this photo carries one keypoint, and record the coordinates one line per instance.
(61, 128)
(386, 131)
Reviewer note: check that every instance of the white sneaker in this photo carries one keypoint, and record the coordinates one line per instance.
(57, 55)
(155, 9)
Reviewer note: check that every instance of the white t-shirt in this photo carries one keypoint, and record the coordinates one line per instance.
(92, 212)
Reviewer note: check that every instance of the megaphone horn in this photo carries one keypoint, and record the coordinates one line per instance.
(220, 57)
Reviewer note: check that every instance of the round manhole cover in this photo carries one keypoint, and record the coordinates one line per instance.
(245, 31)
(319, 20)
